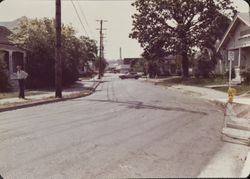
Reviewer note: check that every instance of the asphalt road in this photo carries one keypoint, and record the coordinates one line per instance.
(127, 128)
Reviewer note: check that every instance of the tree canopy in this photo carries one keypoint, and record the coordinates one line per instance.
(38, 36)
(248, 2)
(165, 27)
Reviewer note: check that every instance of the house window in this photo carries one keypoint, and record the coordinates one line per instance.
(5, 58)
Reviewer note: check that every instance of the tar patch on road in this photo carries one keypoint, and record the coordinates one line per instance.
(140, 105)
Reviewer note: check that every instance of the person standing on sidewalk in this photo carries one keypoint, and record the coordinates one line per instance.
(21, 76)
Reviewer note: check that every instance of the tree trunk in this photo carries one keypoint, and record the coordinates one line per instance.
(185, 64)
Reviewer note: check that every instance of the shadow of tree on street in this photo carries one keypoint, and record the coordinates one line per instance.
(140, 105)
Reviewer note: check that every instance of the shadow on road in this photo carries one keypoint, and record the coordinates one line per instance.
(140, 105)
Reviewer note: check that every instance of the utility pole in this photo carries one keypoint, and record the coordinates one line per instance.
(58, 62)
(101, 48)
(120, 53)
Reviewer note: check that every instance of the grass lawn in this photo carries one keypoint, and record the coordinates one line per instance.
(73, 87)
(15, 94)
(241, 89)
(85, 78)
(194, 81)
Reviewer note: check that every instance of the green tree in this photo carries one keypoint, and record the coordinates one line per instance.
(248, 2)
(38, 36)
(177, 26)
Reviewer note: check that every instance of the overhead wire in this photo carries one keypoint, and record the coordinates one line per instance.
(79, 18)
(84, 16)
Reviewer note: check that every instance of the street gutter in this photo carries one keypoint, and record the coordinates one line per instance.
(246, 166)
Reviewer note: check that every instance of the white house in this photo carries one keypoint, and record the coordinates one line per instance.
(13, 55)
(235, 44)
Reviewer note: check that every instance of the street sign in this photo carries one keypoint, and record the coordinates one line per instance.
(230, 55)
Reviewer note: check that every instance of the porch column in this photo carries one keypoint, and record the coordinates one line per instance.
(10, 63)
(24, 60)
(239, 57)
(237, 69)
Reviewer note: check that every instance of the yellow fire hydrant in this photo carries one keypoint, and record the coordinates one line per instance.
(231, 93)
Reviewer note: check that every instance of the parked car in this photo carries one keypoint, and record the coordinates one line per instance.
(130, 75)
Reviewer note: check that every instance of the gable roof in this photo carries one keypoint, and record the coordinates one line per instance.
(4, 34)
(240, 17)
(245, 17)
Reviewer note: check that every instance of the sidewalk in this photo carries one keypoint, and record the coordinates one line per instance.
(202, 92)
(242, 109)
(80, 89)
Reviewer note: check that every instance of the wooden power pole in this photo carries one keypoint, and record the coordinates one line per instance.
(120, 53)
(58, 61)
(101, 48)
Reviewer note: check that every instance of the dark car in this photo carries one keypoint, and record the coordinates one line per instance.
(130, 75)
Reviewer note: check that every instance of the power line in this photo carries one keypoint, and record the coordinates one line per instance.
(79, 17)
(83, 14)
(88, 0)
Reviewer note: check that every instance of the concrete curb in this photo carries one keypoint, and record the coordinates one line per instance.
(217, 103)
(245, 171)
(246, 167)
(50, 100)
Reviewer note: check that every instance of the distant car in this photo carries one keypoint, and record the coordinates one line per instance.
(130, 75)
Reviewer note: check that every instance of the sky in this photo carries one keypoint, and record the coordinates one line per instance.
(117, 13)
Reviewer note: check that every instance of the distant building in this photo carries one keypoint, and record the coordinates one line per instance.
(236, 45)
(170, 65)
(131, 61)
(124, 68)
(134, 64)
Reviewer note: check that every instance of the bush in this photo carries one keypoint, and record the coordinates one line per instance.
(227, 74)
(246, 76)
(4, 82)
(39, 37)
(204, 67)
